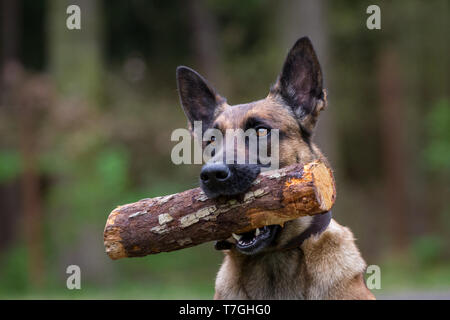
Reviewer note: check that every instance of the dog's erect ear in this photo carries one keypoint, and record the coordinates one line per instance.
(300, 84)
(198, 99)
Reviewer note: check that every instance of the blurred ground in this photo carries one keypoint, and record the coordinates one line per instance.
(416, 295)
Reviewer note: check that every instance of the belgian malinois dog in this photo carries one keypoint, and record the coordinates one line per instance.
(307, 258)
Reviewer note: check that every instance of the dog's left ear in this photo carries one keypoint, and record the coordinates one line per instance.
(300, 84)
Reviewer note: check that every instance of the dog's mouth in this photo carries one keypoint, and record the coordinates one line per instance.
(256, 240)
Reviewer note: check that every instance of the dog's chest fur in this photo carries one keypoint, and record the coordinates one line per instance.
(270, 275)
(328, 266)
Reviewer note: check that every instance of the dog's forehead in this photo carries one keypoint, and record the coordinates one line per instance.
(269, 109)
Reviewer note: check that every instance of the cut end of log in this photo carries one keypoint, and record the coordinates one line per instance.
(113, 243)
(325, 188)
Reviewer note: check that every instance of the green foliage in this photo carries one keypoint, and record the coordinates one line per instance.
(112, 170)
(14, 271)
(428, 250)
(402, 273)
(437, 152)
(94, 184)
(10, 165)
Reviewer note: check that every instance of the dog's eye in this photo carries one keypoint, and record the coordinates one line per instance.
(211, 140)
(261, 131)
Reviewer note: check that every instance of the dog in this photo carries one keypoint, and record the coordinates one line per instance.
(309, 257)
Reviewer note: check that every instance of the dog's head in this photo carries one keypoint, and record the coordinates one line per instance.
(292, 107)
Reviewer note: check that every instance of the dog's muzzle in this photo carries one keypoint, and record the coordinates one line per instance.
(256, 240)
(217, 179)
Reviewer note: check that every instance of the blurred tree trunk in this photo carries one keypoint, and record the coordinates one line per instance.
(426, 82)
(13, 79)
(393, 153)
(10, 30)
(75, 63)
(75, 55)
(309, 18)
(204, 41)
(11, 22)
(31, 195)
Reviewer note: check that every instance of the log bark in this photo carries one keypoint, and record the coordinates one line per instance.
(190, 218)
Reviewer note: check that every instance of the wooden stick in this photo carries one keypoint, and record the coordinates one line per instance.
(189, 218)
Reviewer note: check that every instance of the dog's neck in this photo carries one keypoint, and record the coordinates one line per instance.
(318, 225)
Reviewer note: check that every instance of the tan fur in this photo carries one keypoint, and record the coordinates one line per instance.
(324, 266)
(327, 266)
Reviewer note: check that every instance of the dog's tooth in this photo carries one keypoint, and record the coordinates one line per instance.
(257, 231)
(236, 236)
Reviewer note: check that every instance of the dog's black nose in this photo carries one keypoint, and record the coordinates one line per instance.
(218, 179)
(215, 174)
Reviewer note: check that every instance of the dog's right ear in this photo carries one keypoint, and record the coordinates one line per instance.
(198, 98)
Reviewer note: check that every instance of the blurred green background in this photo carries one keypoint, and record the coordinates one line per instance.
(86, 117)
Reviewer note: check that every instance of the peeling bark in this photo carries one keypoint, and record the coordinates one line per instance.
(190, 218)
